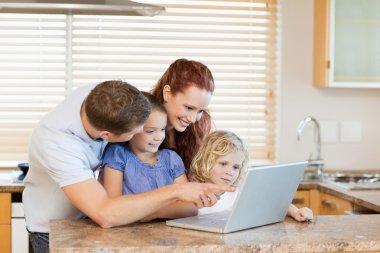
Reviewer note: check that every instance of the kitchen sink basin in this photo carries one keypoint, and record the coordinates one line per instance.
(354, 180)
(351, 177)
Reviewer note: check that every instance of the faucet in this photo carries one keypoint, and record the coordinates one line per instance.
(317, 161)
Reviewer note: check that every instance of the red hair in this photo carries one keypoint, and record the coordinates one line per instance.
(181, 75)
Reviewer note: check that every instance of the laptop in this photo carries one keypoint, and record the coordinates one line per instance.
(264, 198)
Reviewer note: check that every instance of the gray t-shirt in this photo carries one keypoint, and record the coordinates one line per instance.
(60, 154)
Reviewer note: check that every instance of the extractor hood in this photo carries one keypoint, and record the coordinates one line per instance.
(85, 7)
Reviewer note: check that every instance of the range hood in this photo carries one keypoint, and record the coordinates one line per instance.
(85, 7)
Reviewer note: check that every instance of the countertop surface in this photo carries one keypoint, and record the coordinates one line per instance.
(324, 234)
(366, 198)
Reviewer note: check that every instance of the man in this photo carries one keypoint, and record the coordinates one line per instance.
(66, 148)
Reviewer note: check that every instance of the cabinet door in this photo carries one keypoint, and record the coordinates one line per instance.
(301, 199)
(346, 43)
(5, 222)
(5, 208)
(5, 238)
(334, 205)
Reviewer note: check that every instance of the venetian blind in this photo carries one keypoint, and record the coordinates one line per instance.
(235, 39)
(32, 77)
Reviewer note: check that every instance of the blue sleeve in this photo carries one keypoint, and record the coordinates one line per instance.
(115, 156)
(176, 164)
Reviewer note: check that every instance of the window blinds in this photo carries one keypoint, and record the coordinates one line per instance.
(44, 57)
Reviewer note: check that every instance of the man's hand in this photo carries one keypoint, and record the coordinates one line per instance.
(201, 194)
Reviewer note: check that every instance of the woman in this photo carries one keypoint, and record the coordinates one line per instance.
(185, 89)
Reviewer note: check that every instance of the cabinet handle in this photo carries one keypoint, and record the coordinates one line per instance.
(298, 201)
(328, 204)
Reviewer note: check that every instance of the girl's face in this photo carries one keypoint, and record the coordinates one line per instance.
(152, 135)
(227, 168)
(185, 108)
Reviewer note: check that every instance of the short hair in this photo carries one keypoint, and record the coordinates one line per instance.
(155, 104)
(117, 107)
(217, 144)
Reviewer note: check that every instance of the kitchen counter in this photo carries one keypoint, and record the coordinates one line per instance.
(8, 182)
(325, 234)
(350, 233)
(367, 198)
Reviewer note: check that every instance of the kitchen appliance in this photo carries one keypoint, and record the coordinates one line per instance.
(24, 167)
(20, 237)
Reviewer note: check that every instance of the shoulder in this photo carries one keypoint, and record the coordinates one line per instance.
(117, 149)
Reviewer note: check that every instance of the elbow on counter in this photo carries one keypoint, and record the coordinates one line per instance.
(105, 217)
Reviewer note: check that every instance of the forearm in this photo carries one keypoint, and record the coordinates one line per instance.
(292, 211)
(134, 207)
(176, 210)
(91, 198)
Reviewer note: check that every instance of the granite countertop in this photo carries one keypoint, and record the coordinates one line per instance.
(324, 234)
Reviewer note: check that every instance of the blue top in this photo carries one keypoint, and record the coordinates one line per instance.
(139, 176)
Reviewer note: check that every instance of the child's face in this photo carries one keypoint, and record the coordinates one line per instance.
(227, 168)
(153, 134)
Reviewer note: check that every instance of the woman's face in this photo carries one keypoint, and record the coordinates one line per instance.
(185, 108)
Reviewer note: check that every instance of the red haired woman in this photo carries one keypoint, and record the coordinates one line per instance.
(185, 89)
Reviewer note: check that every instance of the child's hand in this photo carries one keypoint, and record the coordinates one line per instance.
(303, 214)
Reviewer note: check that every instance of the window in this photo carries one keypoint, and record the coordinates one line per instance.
(45, 57)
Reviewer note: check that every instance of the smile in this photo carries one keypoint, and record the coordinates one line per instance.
(184, 123)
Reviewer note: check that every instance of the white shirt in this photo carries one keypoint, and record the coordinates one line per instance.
(60, 154)
(225, 202)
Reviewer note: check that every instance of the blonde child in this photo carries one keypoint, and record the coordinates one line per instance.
(139, 166)
(223, 159)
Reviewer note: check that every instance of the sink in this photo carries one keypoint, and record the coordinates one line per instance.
(352, 177)
(354, 180)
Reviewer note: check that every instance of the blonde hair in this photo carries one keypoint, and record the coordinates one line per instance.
(217, 144)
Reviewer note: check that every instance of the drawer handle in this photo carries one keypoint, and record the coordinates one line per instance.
(328, 204)
(298, 201)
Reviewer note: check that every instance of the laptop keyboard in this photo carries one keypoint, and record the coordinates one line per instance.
(219, 218)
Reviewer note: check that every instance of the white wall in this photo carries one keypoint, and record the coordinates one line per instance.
(299, 99)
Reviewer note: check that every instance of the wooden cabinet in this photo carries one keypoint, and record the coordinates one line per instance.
(5, 222)
(322, 203)
(302, 198)
(333, 205)
(307, 198)
(346, 45)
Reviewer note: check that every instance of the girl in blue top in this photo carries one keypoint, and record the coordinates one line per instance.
(138, 166)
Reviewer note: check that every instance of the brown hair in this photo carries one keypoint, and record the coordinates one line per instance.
(217, 144)
(155, 104)
(116, 106)
(181, 75)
